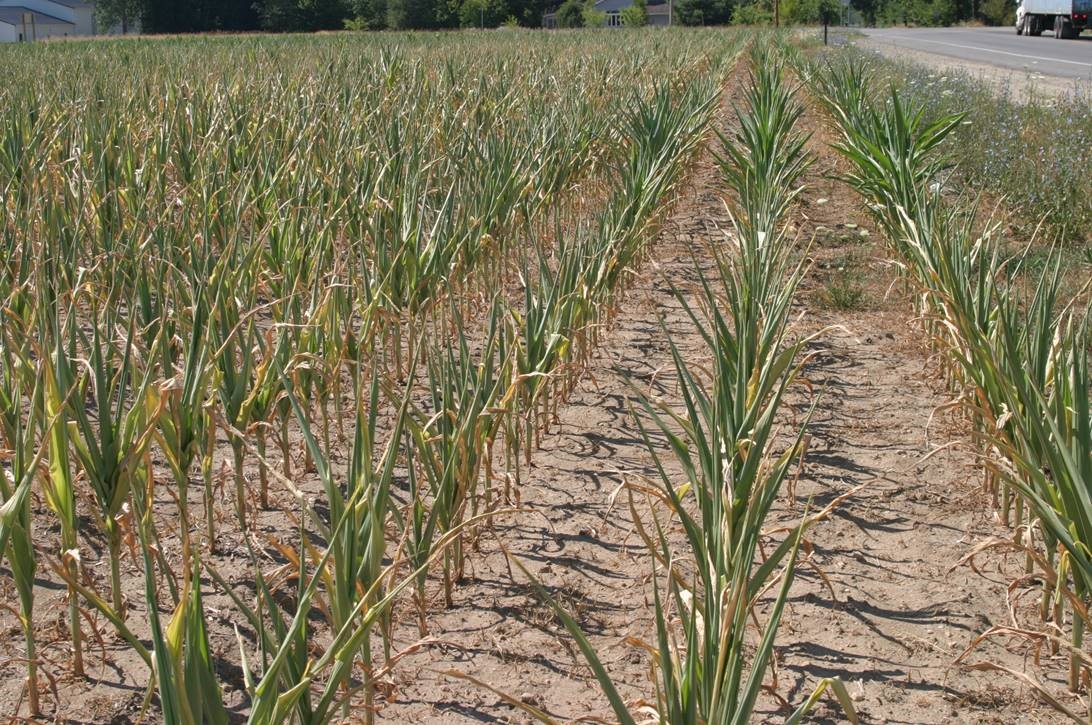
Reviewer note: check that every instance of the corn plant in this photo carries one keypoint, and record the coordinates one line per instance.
(361, 508)
(451, 442)
(542, 340)
(109, 426)
(236, 340)
(563, 300)
(263, 398)
(1052, 466)
(724, 452)
(59, 485)
(184, 673)
(283, 693)
(180, 407)
(23, 454)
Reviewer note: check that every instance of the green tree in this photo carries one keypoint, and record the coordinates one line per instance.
(703, 12)
(593, 18)
(867, 9)
(811, 11)
(999, 12)
(830, 11)
(411, 14)
(571, 14)
(112, 13)
(325, 14)
(636, 15)
(370, 14)
(483, 13)
(303, 15)
(921, 12)
(936, 12)
(527, 13)
(195, 16)
(281, 15)
(757, 12)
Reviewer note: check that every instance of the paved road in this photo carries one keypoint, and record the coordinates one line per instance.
(1000, 47)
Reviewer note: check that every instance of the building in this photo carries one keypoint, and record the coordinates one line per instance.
(28, 20)
(659, 13)
(18, 24)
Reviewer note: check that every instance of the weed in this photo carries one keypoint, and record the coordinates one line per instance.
(844, 288)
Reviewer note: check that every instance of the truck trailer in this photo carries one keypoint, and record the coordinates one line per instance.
(1067, 18)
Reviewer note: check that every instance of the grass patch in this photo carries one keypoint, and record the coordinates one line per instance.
(844, 287)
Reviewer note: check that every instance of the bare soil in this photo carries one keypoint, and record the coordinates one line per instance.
(882, 603)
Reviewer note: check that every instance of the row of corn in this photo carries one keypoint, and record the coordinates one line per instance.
(728, 459)
(1014, 350)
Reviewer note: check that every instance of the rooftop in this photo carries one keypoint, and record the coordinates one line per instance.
(14, 16)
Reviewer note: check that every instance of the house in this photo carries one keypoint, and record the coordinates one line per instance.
(659, 13)
(18, 24)
(26, 20)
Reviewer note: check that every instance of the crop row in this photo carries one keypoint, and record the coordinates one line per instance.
(728, 461)
(1016, 355)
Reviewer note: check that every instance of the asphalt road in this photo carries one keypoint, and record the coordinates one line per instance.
(999, 47)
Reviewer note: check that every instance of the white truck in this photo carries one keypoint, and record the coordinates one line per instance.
(1067, 18)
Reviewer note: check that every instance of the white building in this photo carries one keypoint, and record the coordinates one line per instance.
(27, 20)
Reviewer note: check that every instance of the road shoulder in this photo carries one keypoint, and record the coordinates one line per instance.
(1019, 85)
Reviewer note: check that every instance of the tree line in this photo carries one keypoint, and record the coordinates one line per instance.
(870, 12)
(936, 12)
(196, 16)
(192, 16)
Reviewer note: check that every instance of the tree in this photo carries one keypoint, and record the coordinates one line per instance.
(199, 16)
(636, 15)
(281, 15)
(483, 13)
(757, 12)
(411, 14)
(571, 14)
(703, 12)
(830, 11)
(324, 14)
(999, 12)
(867, 9)
(111, 13)
(916, 12)
(811, 11)
(370, 14)
(303, 15)
(527, 13)
(936, 12)
(593, 18)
